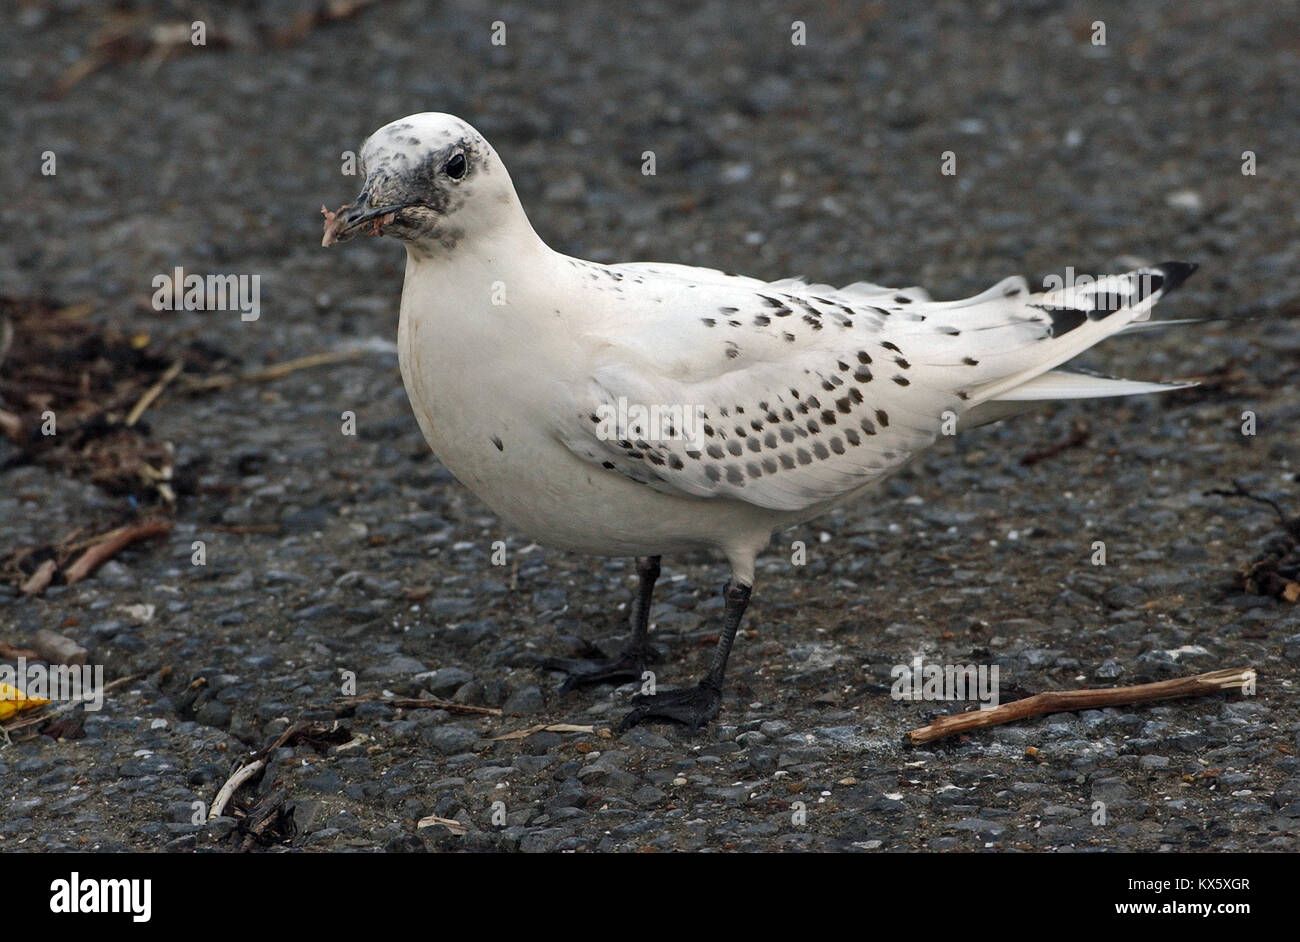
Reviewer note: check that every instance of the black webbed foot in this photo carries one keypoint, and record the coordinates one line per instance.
(624, 667)
(693, 707)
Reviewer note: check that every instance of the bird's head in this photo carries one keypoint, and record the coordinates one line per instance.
(431, 181)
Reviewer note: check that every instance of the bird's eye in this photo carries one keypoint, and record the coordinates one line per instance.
(456, 166)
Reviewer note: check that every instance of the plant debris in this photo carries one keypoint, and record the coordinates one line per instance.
(1276, 570)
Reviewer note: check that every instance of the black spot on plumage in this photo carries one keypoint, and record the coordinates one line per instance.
(789, 337)
(862, 374)
(836, 381)
(769, 465)
(868, 427)
(837, 446)
(708, 322)
(752, 469)
(754, 445)
(735, 447)
(715, 451)
(1064, 319)
(787, 415)
(675, 463)
(970, 361)
(803, 456)
(901, 362)
(756, 425)
(496, 441)
(711, 472)
(890, 346)
(708, 430)
(828, 417)
(844, 404)
(902, 380)
(654, 459)
(828, 386)
(607, 465)
(802, 408)
(728, 310)
(814, 402)
(787, 435)
(786, 461)
(772, 417)
(821, 451)
(740, 430)
(853, 437)
(722, 411)
(864, 356)
(782, 311)
(734, 323)
(814, 322)
(732, 351)
(1148, 284)
(855, 395)
(963, 395)
(813, 426)
(902, 299)
(771, 302)
(841, 365)
(1106, 303)
(762, 320)
(734, 476)
(882, 417)
(693, 454)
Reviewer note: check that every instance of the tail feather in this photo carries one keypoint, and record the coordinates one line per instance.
(1078, 317)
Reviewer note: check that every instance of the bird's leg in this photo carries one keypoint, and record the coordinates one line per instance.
(628, 664)
(698, 705)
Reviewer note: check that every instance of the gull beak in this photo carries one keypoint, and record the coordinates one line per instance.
(343, 223)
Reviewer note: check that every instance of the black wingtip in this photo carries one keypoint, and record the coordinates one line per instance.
(1175, 273)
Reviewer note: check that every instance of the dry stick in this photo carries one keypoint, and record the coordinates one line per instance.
(410, 703)
(278, 371)
(242, 775)
(117, 541)
(1064, 701)
(40, 580)
(153, 393)
(245, 772)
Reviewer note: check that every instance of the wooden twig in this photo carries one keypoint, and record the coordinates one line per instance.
(1063, 701)
(544, 728)
(257, 763)
(278, 371)
(451, 824)
(111, 545)
(411, 703)
(152, 393)
(39, 580)
(242, 775)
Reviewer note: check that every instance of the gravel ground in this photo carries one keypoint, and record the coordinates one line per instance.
(773, 159)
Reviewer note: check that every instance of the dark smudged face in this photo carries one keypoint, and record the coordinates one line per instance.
(419, 175)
